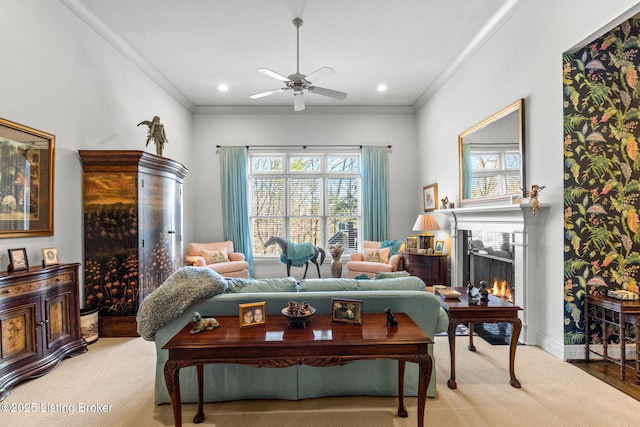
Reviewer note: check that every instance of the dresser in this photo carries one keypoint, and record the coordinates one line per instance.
(132, 210)
(431, 268)
(39, 322)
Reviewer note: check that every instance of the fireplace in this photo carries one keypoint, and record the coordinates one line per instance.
(518, 229)
(490, 259)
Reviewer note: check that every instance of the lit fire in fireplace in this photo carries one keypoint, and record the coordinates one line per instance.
(501, 290)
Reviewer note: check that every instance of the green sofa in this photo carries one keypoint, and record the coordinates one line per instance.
(224, 382)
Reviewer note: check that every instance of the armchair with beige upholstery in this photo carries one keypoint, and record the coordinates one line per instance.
(373, 260)
(218, 256)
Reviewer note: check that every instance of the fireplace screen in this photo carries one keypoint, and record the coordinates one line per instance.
(490, 258)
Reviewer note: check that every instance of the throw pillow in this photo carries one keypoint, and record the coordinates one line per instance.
(393, 245)
(390, 274)
(213, 257)
(377, 255)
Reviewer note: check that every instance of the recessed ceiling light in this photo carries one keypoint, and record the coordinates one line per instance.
(382, 88)
(223, 87)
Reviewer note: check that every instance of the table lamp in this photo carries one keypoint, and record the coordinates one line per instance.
(425, 223)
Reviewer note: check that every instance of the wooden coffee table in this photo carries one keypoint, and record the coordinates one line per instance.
(322, 343)
(496, 310)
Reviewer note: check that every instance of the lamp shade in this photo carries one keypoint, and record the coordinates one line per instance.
(425, 223)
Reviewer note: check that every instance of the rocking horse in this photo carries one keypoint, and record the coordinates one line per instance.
(297, 254)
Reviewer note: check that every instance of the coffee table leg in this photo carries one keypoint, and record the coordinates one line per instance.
(471, 346)
(516, 327)
(423, 383)
(199, 416)
(172, 380)
(451, 334)
(402, 412)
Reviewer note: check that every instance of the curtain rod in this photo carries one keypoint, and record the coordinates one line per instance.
(301, 146)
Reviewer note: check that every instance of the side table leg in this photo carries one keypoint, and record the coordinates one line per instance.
(199, 416)
(402, 411)
(623, 349)
(637, 324)
(516, 327)
(451, 334)
(471, 346)
(172, 380)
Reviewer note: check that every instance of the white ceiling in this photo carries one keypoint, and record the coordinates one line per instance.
(191, 46)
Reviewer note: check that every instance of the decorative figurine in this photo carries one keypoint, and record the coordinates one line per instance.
(199, 324)
(469, 290)
(155, 134)
(444, 202)
(484, 292)
(392, 322)
(533, 198)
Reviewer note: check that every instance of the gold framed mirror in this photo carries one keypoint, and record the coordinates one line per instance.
(491, 157)
(26, 181)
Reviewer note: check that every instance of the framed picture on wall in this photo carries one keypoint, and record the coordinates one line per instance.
(430, 197)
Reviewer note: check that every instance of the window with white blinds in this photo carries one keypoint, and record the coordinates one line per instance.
(304, 198)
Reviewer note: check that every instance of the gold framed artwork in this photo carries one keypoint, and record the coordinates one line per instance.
(26, 171)
(49, 256)
(346, 311)
(439, 249)
(430, 197)
(252, 314)
(18, 259)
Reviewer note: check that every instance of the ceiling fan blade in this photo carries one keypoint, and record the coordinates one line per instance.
(268, 72)
(298, 101)
(267, 93)
(327, 92)
(319, 74)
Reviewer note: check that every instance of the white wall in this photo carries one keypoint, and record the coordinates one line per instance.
(288, 128)
(522, 60)
(58, 76)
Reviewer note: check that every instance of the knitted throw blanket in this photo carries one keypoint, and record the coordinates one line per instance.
(183, 288)
(298, 253)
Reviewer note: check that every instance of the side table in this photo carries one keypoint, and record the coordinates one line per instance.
(496, 310)
(617, 314)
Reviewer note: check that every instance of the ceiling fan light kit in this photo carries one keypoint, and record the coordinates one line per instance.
(298, 82)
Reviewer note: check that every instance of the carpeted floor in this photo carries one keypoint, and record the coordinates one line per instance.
(112, 385)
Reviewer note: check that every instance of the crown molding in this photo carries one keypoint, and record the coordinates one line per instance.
(105, 32)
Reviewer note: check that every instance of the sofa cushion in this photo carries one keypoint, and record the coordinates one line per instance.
(286, 284)
(409, 283)
(214, 257)
(318, 285)
(391, 274)
(377, 255)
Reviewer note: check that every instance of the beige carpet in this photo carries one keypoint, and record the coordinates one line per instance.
(116, 375)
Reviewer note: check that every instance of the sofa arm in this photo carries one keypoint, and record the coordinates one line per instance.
(195, 260)
(394, 261)
(357, 256)
(236, 256)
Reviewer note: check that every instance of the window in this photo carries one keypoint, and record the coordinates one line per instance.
(495, 172)
(304, 198)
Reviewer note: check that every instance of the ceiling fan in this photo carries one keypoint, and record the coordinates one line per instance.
(298, 82)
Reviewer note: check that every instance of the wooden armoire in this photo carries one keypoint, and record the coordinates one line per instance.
(132, 208)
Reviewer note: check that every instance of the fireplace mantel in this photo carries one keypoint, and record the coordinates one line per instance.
(517, 219)
(504, 219)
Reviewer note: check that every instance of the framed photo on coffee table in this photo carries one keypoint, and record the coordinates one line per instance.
(346, 311)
